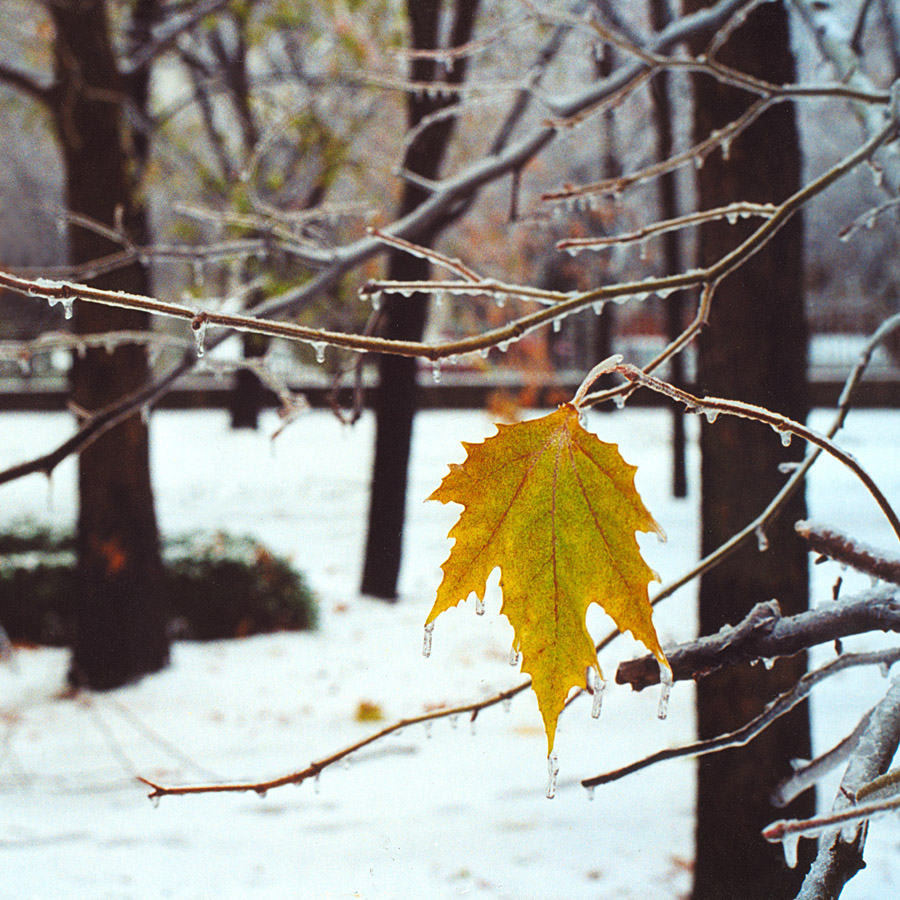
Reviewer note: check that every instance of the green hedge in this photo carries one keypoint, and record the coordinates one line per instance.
(218, 586)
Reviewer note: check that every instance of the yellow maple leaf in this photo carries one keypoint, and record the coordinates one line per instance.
(556, 509)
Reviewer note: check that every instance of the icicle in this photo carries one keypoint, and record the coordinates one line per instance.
(375, 297)
(500, 301)
(154, 801)
(426, 644)
(599, 688)
(552, 774)
(199, 326)
(503, 346)
(483, 352)
(473, 728)
(597, 306)
(507, 704)
(261, 793)
(479, 606)
(731, 218)
(319, 348)
(145, 414)
(619, 400)
(590, 791)
(789, 845)
(557, 325)
(784, 435)
(711, 415)
(726, 149)
(514, 656)
(698, 162)
(768, 663)
(68, 305)
(642, 251)
(427, 726)
(436, 371)
(885, 669)
(762, 539)
(665, 689)
(317, 782)
(664, 292)
(454, 721)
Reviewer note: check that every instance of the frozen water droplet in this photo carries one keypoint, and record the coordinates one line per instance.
(473, 727)
(436, 371)
(319, 348)
(698, 162)
(597, 702)
(762, 539)
(199, 327)
(68, 305)
(731, 218)
(711, 415)
(454, 721)
(552, 774)
(317, 782)
(514, 657)
(785, 437)
(500, 301)
(261, 793)
(789, 845)
(426, 644)
(483, 352)
(479, 606)
(768, 663)
(427, 726)
(726, 149)
(642, 251)
(597, 306)
(154, 800)
(885, 669)
(503, 346)
(507, 704)
(572, 251)
(590, 791)
(557, 326)
(665, 689)
(619, 400)
(375, 297)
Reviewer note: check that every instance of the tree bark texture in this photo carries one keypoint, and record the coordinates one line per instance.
(120, 615)
(754, 350)
(404, 318)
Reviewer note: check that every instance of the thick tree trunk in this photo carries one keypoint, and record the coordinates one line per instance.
(753, 350)
(404, 318)
(120, 618)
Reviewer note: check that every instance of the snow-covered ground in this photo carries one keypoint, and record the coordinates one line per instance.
(438, 815)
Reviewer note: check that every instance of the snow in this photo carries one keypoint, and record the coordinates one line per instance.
(448, 815)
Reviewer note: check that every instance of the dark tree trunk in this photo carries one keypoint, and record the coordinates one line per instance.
(120, 618)
(404, 318)
(753, 350)
(661, 98)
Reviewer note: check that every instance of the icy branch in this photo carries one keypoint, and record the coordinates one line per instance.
(837, 860)
(843, 548)
(743, 735)
(765, 634)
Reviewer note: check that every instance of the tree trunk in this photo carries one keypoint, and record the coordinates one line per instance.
(661, 99)
(404, 318)
(753, 350)
(120, 616)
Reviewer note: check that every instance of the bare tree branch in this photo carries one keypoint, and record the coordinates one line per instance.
(765, 635)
